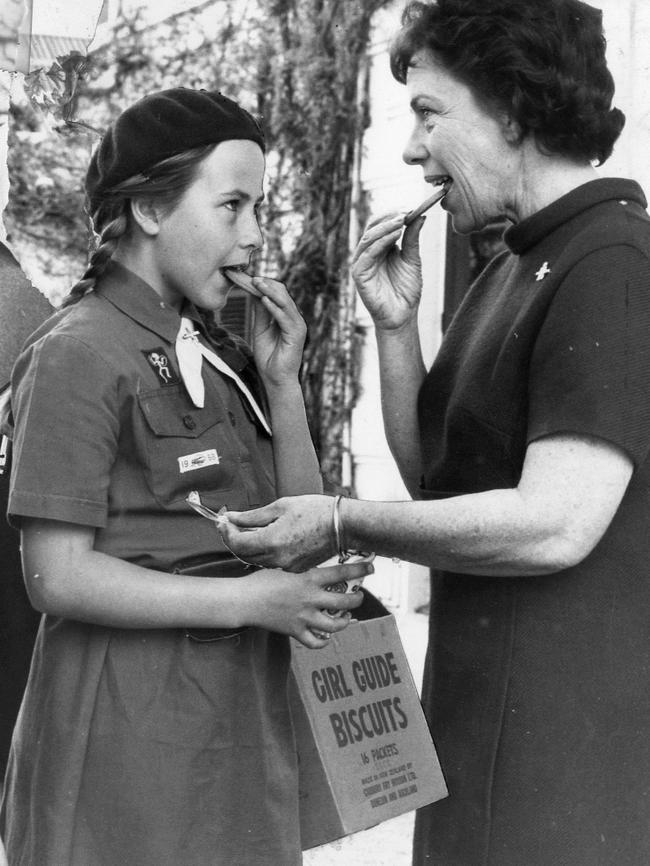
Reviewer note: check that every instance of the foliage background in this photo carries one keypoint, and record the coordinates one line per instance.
(298, 64)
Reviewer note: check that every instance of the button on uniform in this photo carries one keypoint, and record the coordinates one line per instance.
(189, 422)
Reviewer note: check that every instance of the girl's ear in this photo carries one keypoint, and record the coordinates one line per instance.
(146, 215)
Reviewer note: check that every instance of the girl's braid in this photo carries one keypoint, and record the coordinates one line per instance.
(107, 244)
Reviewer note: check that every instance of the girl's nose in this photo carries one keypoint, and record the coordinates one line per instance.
(252, 235)
(415, 150)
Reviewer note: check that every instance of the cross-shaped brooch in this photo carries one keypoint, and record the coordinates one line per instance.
(542, 272)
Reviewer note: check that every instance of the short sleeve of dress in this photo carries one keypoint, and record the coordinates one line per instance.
(590, 368)
(66, 432)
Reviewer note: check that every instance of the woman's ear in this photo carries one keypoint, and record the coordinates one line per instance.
(511, 129)
(146, 215)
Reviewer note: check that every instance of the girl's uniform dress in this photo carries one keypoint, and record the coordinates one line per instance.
(538, 688)
(143, 747)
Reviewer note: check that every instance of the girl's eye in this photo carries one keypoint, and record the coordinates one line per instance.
(233, 204)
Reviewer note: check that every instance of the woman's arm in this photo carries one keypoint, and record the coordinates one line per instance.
(279, 334)
(401, 373)
(570, 489)
(389, 280)
(66, 577)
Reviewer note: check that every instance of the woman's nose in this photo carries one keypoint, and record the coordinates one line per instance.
(415, 150)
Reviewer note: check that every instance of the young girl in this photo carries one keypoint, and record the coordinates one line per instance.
(155, 729)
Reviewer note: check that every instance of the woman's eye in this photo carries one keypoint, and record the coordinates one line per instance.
(233, 204)
(426, 116)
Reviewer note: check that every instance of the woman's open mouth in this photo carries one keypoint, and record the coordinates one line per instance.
(443, 183)
(440, 180)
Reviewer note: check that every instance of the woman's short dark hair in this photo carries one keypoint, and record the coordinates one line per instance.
(542, 61)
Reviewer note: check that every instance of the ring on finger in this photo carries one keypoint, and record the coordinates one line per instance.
(323, 635)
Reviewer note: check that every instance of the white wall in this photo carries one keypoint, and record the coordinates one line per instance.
(627, 29)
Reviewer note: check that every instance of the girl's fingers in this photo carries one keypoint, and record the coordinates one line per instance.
(319, 633)
(341, 602)
(265, 287)
(328, 574)
(279, 304)
(322, 621)
(275, 290)
(286, 316)
(314, 639)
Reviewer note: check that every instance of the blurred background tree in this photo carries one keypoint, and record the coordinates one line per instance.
(299, 65)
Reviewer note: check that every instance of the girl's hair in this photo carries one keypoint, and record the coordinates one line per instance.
(542, 61)
(164, 183)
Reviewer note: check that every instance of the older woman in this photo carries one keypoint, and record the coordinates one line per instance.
(526, 444)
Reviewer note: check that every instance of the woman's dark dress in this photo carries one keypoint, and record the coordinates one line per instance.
(538, 688)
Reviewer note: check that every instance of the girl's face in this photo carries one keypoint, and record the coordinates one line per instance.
(455, 136)
(213, 226)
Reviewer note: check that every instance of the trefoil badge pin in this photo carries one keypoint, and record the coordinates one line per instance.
(542, 272)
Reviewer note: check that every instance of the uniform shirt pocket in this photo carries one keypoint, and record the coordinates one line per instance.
(185, 448)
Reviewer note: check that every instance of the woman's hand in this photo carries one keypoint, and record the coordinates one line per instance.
(389, 277)
(296, 604)
(294, 533)
(279, 333)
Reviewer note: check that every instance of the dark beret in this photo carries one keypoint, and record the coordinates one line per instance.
(162, 125)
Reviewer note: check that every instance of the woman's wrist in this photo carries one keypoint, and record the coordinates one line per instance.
(399, 331)
(347, 537)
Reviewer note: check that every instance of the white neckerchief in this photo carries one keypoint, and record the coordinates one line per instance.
(190, 353)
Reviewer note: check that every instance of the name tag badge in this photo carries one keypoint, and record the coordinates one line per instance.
(197, 461)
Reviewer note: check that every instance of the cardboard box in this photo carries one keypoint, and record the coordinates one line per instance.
(364, 746)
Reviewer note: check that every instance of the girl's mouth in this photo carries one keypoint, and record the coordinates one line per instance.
(242, 279)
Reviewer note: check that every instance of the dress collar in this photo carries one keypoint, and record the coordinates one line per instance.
(138, 300)
(524, 235)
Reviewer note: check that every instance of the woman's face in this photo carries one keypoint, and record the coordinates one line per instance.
(213, 226)
(455, 136)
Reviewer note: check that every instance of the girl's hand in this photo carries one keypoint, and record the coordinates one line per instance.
(294, 533)
(279, 333)
(389, 277)
(296, 604)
